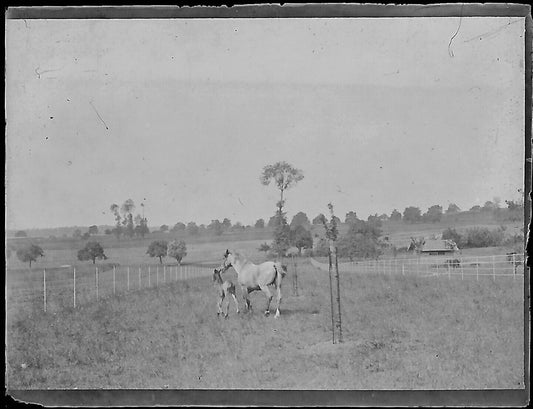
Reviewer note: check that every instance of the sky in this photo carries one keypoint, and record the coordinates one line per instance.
(183, 114)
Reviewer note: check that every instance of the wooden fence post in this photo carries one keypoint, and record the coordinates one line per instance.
(128, 278)
(164, 274)
(96, 275)
(44, 289)
(140, 278)
(477, 269)
(157, 276)
(114, 281)
(149, 276)
(493, 268)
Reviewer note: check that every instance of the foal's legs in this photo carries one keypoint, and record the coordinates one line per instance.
(219, 303)
(236, 303)
(265, 289)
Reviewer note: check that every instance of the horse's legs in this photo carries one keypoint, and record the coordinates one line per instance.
(245, 293)
(279, 300)
(236, 303)
(265, 289)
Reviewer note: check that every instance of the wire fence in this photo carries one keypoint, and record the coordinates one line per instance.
(70, 287)
(506, 265)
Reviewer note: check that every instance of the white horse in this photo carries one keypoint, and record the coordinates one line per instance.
(252, 277)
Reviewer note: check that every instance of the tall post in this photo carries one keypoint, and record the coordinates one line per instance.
(477, 269)
(337, 277)
(114, 285)
(44, 289)
(96, 274)
(164, 274)
(139, 277)
(74, 287)
(493, 268)
(331, 296)
(157, 276)
(149, 276)
(128, 278)
(514, 267)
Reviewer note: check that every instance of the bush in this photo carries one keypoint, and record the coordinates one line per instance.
(483, 237)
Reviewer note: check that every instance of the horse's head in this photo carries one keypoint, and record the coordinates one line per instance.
(229, 259)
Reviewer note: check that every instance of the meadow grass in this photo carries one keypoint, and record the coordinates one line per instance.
(400, 332)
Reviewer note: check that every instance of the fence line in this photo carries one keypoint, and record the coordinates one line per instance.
(493, 265)
(69, 287)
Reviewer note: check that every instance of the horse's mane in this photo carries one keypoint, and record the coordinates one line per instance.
(241, 257)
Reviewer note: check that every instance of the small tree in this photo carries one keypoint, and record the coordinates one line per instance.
(453, 208)
(318, 219)
(21, 233)
(411, 214)
(264, 248)
(260, 224)
(395, 215)
(158, 248)
(92, 251)
(177, 249)
(301, 238)
(163, 228)
(351, 217)
(300, 219)
(434, 214)
(281, 242)
(216, 228)
(30, 253)
(93, 229)
(179, 226)
(192, 229)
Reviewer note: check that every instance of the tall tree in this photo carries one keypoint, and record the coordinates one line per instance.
(434, 214)
(29, 253)
(117, 230)
(452, 208)
(92, 251)
(192, 229)
(216, 228)
(284, 175)
(260, 223)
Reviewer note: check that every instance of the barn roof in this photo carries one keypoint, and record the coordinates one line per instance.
(439, 245)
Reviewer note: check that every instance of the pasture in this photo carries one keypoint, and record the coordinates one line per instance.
(400, 332)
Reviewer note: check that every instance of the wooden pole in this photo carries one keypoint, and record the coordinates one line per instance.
(149, 276)
(477, 269)
(139, 277)
(128, 278)
(493, 268)
(44, 289)
(114, 285)
(337, 277)
(96, 274)
(74, 287)
(164, 274)
(331, 297)
(157, 276)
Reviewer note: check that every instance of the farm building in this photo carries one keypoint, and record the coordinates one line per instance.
(439, 248)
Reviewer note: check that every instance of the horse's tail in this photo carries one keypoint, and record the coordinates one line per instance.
(280, 269)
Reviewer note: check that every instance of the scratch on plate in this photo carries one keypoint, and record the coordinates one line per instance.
(450, 51)
(98, 115)
(492, 33)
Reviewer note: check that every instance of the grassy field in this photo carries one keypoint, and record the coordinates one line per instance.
(400, 333)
